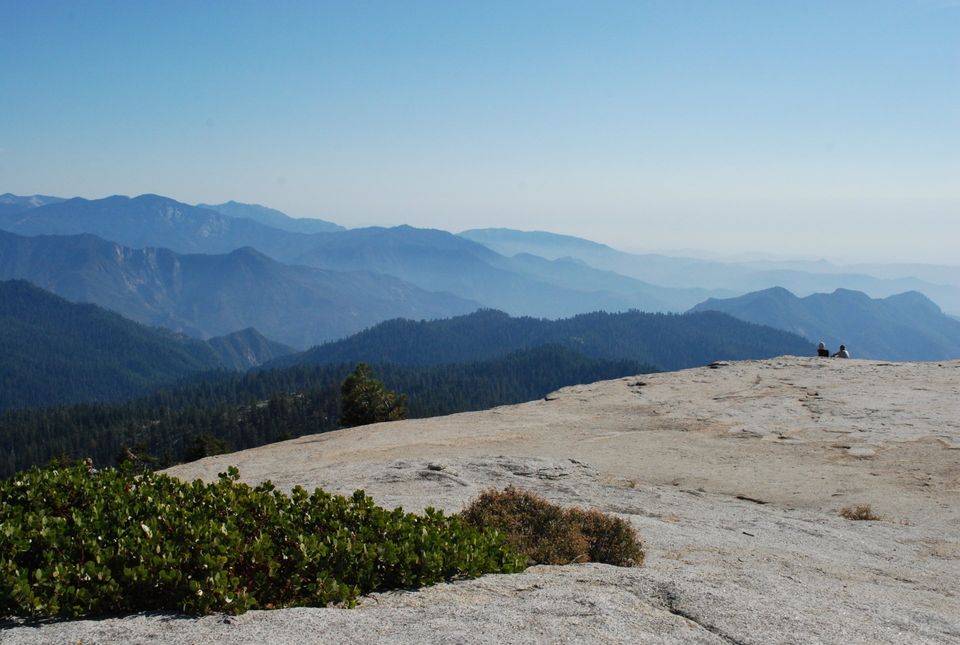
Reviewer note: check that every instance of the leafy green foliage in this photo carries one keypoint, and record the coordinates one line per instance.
(364, 400)
(549, 534)
(81, 542)
(251, 410)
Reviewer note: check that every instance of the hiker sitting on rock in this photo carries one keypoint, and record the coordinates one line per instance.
(822, 350)
(843, 353)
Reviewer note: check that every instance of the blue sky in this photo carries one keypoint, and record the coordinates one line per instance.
(807, 128)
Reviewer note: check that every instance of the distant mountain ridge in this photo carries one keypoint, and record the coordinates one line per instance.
(154, 221)
(273, 217)
(10, 203)
(666, 341)
(53, 351)
(213, 295)
(433, 260)
(241, 350)
(620, 291)
(680, 272)
(523, 273)
(551, 246)
(440, 261)
(902, 327)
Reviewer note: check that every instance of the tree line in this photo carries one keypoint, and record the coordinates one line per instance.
(669, 341)
(217, 412)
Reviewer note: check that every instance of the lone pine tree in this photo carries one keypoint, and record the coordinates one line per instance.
(365, 400)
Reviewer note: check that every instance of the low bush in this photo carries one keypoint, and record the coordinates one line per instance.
(859, 512)
(79, 542)
(549, 534)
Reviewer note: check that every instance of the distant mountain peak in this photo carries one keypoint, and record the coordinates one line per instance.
(851, 294)
(247, 250)
(779, 291)
(915, 300)
(18, 203)
(776, 292)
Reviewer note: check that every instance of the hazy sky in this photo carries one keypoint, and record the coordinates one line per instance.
(823, 129)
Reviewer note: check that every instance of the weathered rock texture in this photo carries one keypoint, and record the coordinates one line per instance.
(733, 475)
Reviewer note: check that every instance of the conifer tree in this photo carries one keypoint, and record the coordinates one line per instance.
(365, 400)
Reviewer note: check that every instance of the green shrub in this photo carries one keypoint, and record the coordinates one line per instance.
(549, 534)
(74, 542)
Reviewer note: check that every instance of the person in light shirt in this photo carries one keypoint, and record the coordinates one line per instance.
(843, 353)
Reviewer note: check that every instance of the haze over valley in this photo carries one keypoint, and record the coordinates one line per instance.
(521, 273)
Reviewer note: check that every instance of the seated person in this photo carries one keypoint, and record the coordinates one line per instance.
(822, 350)
(843, 353)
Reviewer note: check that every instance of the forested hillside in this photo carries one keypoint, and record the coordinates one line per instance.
(667, 341)
(258, 408)
(53, 351)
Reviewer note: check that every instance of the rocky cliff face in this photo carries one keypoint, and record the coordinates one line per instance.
(734, 476)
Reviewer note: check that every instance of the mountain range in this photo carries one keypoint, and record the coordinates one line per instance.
(212, 295)
(154, 221)
(53, 351)
(904, 327)
(567, 275)
(194, 269)
(432, 260)
(941, 284)
(440, 261)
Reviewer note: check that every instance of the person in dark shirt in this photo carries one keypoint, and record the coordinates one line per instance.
(822, 350)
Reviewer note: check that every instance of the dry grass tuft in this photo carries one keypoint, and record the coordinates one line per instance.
(549, 534)
(859, 512)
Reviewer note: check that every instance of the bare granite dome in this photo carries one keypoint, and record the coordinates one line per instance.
(734, 476)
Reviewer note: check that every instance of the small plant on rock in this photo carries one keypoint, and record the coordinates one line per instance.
(549, 534)
(859, 512)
